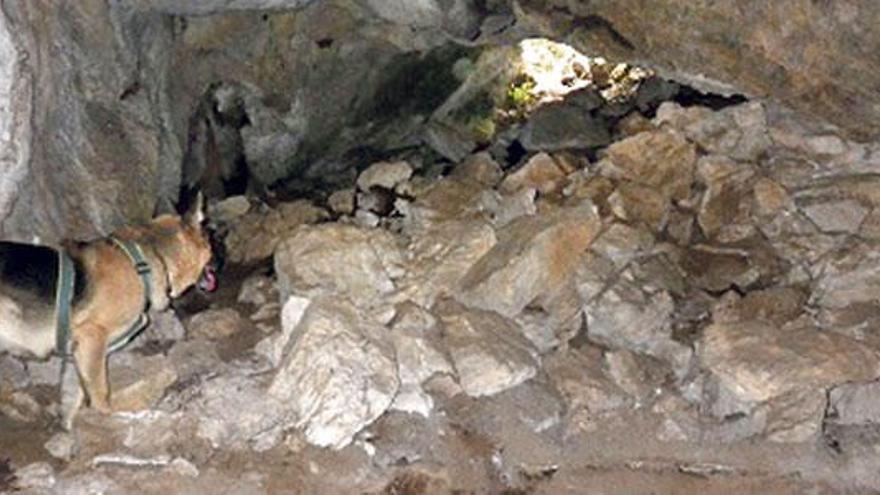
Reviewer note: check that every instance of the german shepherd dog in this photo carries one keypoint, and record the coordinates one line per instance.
(108, 296)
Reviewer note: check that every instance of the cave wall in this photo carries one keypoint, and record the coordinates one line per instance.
(97, 97)
(90, 143)
(818, 57)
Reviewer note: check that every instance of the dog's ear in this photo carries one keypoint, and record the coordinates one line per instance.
(195, 214)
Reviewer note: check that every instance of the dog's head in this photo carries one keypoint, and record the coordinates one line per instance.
(185, 247)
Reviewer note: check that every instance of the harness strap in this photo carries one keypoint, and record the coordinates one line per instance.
(64, 294)
(136, 255)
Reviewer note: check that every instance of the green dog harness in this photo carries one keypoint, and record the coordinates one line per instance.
(64, 294)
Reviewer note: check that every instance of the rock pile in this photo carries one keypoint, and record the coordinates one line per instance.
(695, 282)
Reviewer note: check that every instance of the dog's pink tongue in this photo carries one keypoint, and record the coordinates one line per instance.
(208, 281)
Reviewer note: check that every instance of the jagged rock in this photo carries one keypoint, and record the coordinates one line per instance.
(384, 174)
(578, 375)
(488, 351)
(837, 216)
(636, 374)
(273, 347)
(254, 236)
(21, 406)
(216, 324)
(532, 260)
(661, 160)
(560, 126)
(718, 268)
(639, 204)
(13, 373)
(419, 357)
(631, 315)
(855, 404)
(62, 445)
(440, 257)
(479, 167)
(235, 412)
(621, 243)
(505, 208)
(36, 476)
(338, 373)
(848, 277)
(450, 198)
(308, 263)
(739, 132)
(257, 290)
(778, 377)
(724, 212)
(542, 173)
(229, 209)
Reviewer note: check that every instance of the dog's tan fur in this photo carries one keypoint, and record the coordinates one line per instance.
(177, 251)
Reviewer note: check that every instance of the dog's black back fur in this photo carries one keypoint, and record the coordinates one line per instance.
(33, 270)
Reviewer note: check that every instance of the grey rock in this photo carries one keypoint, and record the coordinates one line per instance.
(854, 404)
(384, 174)
(487, 350)
(63, 445)
(338, 373)
(208, 7)
(557, 127)
(37, 476)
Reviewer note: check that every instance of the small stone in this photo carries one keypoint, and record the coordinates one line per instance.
(184, 467)
(855, 404)
(229, 209)
(638, 204)
(479, 167)
(38, 475)
(257, 290)
(661, 160)
(216, 323)
(541, 173)
(341, 202)
(837, 216)
(13, 373)
(384, 174)
(63, 445)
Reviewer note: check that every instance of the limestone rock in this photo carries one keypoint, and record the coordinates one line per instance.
(578, 375)
(254, 236)
(628, 316)
(780, 374)
(534, 257)
(724, 210)
(338, 373)
(384, 174)
(662, 160)
(488, 351)
(309, 261)
(342, 201)
(441, 257)
(855, 404)
(541, 172)
(216, 324)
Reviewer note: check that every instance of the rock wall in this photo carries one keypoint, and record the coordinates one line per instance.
(87, 138)
(817, 57)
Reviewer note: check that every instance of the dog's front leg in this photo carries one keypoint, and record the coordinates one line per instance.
(72, 393)
(90, 354)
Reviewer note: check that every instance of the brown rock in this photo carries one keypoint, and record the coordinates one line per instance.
(542, 172)
(534, 257)
(662, 160)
